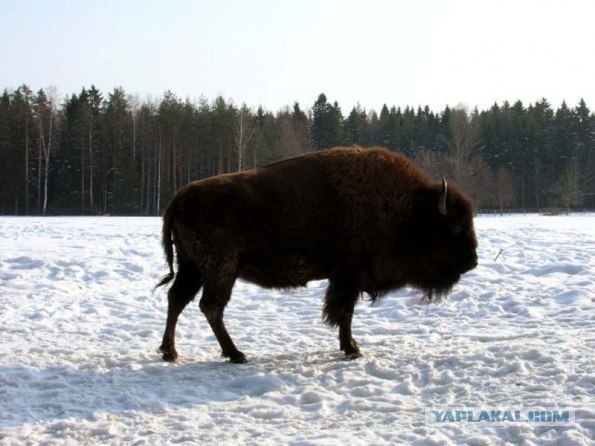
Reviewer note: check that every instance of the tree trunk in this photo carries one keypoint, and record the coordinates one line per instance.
(39, 156)
(91, 202)
(158, 203)
(27, 159)
(47, 152)
(83, 178)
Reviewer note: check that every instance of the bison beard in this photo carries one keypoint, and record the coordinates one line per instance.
(365, 219)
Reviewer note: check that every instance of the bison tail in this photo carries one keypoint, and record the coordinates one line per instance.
(167, 243)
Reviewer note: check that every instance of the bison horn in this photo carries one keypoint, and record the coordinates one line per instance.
(442, 202)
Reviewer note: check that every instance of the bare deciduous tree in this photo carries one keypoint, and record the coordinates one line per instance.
(463, 145)
(47, 112)
(504, 190)
(464, 162)
(567, 188)
(244, 134)
(431, 163)
(291, 139)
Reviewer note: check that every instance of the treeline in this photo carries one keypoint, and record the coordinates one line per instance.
(96, 153)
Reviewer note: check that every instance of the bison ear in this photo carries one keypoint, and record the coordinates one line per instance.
(442, 200)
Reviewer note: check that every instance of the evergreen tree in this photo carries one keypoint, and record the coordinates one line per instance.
(205, 144)
(327, 124)
(355, 127)
(407, 131)
(64, 184)
(120, 185)
(20, 136)
(540, 140)
(95, 99)
(385, 128)
(585, 151)
(8, 160)
(265, 139)
(146, 137)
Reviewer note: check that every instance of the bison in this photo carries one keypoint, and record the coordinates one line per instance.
(365, 219)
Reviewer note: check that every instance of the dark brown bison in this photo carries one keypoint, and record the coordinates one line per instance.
(365, 219)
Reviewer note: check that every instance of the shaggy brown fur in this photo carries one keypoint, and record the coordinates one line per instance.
(366, 219)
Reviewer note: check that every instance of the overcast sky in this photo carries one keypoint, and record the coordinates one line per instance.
(273, 53)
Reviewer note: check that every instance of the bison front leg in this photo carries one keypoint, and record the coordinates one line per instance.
(346, 341)
(216, 295)
(340, 300)
(186, 284)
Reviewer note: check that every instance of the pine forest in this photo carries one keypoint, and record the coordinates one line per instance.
(96, 153)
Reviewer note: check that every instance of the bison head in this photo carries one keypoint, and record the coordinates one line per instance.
(443, 239)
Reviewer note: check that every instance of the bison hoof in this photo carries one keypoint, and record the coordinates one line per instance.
(351, 349)
(236, 357)
(353, 355)
(168, 355)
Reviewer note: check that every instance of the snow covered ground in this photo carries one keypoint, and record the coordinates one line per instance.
(80, 328)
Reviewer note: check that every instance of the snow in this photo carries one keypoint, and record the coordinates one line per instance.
(80, 330)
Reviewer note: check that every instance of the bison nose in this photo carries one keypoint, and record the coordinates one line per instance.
(470, 264)
(474, 261)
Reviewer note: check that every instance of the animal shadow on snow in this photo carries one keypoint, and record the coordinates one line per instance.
(63, 391)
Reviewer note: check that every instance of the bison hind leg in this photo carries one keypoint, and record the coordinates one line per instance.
(216, 294)
(187, 283)
(341, 297)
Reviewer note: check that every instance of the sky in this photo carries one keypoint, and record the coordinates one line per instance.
(273, 53)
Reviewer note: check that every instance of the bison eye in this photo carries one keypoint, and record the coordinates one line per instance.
(456, 230)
